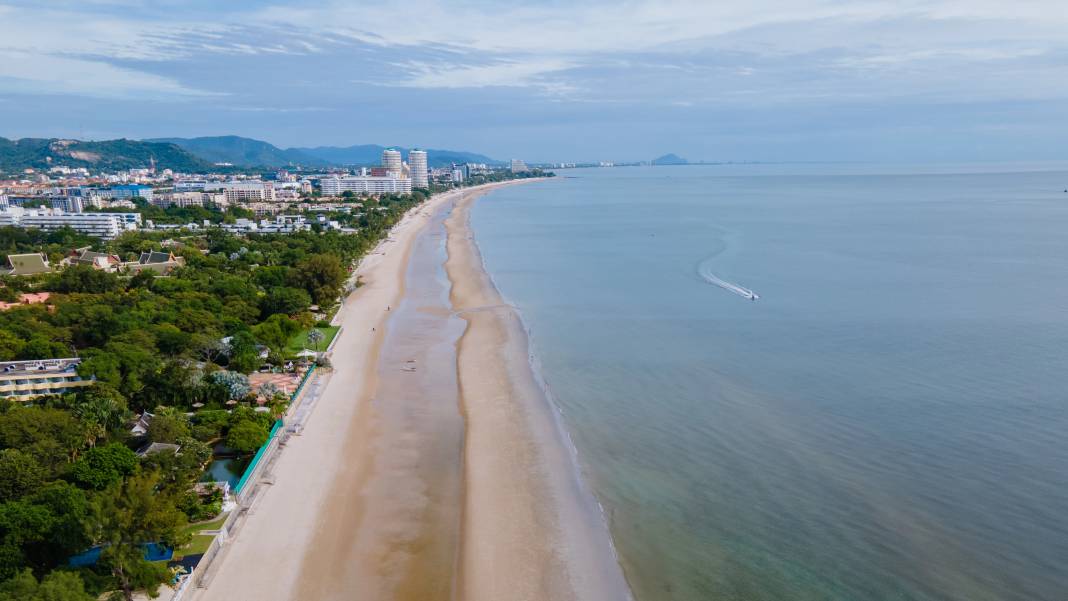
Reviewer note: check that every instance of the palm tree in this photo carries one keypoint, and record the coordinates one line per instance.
(315, 337)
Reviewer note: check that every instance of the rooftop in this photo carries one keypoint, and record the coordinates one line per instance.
(36, 366)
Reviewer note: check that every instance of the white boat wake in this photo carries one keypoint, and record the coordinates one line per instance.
(706, 274)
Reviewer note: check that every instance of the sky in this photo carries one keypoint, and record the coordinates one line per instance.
(714, 80)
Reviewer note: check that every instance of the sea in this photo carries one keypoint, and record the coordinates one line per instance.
(807, 382)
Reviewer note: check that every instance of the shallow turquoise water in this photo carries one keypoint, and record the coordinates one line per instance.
(888, 421)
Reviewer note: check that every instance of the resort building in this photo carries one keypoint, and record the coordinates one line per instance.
(162, 263)
(26, 380)
(27, 264)
(101, 261)
(365, 184)
(519, 166)
(417, 163)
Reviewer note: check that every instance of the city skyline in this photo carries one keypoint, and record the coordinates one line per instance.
(936, 80)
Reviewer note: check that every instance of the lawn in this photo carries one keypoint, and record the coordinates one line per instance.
(299, 342)
(200, 542)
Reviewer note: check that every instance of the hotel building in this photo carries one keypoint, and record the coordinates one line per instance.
(369, 184)
(26, 380)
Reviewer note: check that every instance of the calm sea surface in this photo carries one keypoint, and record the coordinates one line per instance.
(888, 421)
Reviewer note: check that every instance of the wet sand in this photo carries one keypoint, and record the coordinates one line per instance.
(531, 531)
(433, 466)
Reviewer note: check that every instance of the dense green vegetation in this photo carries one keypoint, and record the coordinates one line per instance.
(178, 347)
(105, 155)
(181, 215)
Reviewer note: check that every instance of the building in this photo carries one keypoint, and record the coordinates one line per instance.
(391, 160)
(26, 380)
(189, 199)
(162, 263)
(417, 163)
(120, 192)
(519, 166)
(190, 186)
(27, 264)
(67, 204)
(458, 176)
(365, 184)
(252, 191)
(101, 261)
(102, 225)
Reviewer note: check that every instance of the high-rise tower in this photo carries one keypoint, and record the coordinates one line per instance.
(391, 160)
(417, 164)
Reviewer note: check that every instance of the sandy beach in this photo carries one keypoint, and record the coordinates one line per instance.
(530, 529)
(432, 466)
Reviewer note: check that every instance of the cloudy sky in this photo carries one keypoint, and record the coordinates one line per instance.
(772, 80)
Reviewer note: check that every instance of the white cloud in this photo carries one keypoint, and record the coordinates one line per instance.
(502, 73)
(717, 49)
(24, 72)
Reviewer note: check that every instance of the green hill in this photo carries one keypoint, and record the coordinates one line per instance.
(104, 155)
(244, 152)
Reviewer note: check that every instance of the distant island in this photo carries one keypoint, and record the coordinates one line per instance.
(670, 159)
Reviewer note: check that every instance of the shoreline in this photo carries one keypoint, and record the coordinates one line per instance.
(531, 528)
(332, 458)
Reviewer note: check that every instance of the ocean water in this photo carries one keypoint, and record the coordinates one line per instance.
(888, 421)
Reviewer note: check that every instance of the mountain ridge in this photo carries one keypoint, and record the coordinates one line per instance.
(106, 155)
(243, 152)
(250, 152)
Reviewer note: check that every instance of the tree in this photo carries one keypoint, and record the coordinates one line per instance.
(83, 279)
(167, 426)
(128, 515)
(102, 409)
(11, 345)
(286, 300)
(244, 356)
(315, 337)
(52, 436)
(246, 436)
(322, 276)
(126, 362)
(236, 384)
(20, 474)
(276, 332)
(142, 279)
(101, 466)
(66, 533)
(21, 525)
(56, 586)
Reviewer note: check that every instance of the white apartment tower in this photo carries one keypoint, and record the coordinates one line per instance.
(417, 164)
(391, 160)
